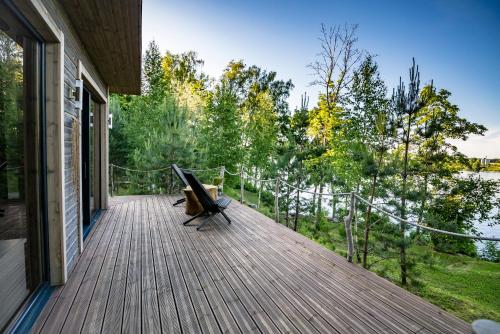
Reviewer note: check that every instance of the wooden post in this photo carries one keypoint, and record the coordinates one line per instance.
(242, 185)
(276, 198)
(348, 230)
(260, 191)
(171, 186)
(112, 180)
(287, 209)
(297, 205)
(221, 175)
(334, 208)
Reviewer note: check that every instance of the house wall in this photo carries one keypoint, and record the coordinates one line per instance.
(73, 53)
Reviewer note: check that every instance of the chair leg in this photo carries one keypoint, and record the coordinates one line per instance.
(225, 216)
(204, 222)
(179, 201)
(193, 218)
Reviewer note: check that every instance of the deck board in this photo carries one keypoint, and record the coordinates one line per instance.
(143, 271)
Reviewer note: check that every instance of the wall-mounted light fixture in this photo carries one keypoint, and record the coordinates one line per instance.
(110, 121)
(78, 94)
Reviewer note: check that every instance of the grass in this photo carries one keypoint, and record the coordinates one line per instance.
(465, 286)
(250, 198)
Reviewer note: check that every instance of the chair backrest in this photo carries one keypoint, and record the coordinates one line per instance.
(179, 173)
(201, 193)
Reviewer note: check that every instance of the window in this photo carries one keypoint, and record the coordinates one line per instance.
(20, 167)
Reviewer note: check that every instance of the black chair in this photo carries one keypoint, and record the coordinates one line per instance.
(180, 175)
(210, 207)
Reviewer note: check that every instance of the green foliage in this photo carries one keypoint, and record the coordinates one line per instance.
(154, 84)
(221, 130)
(461, 203)
(491, 251)
(391, 150)
(11, 115)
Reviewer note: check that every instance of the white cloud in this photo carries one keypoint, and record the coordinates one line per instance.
(481, 146)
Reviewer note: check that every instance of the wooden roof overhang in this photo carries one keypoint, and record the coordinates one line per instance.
(111, 33)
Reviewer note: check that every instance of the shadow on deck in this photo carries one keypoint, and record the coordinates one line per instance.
(142, 270)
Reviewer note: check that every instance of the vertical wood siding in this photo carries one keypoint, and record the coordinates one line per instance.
(73, 52)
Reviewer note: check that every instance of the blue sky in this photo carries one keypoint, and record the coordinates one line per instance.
(455, 42)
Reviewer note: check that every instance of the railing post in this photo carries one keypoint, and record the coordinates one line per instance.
(297, 206)
(112, 180)
(221, 175)
(242, 185)
(260, 191)
(276, 199)
(348, 229)
(171, 185)
(334, 208)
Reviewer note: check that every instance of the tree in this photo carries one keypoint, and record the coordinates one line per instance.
(11, 113)
(185, 79)
(333, 73)
(336, 61)
(435, 158)
(221, 128)
(406, 104)
(300, 145)
(460, 203)
(371, 130)
(153, 83)
(264, 112)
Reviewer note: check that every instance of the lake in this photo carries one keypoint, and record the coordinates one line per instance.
(490, 231)
(484, 229)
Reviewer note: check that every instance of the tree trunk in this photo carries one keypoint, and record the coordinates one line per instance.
(334, 208)
(297, 205)
(318, 210)
(256, 176)
(276, 200)
(402, 247)
(356, 243)
(287, 203)
(313, 207)
(348, 231)
(260, 192)
(422, 204)
(242, 186)
(367, 221)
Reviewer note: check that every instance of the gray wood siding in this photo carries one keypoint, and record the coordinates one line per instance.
(73, 52)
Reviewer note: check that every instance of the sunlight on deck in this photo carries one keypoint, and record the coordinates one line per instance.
(142, 270)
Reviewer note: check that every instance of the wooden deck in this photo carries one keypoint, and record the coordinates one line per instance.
(143, 271)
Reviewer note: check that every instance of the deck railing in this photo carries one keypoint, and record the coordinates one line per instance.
(162, 181)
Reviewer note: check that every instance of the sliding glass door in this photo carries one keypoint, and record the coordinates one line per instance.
(20, 168)
(90, 154)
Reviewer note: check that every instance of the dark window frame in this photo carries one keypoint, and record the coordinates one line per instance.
(29, 310)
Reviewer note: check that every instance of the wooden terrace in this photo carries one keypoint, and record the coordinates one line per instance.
(143, 271)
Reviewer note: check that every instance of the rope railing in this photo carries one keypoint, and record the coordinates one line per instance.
(376, 207)
(161, 169)
(352, 195)
(424, 227)
(145, 180)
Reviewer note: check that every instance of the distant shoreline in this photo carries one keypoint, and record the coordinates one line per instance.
(493, 166)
